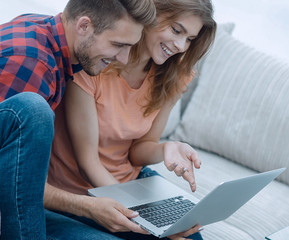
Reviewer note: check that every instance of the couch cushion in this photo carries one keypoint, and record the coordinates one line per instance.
(226, 27)
(178, 109)
(173, 120)
(240, 108)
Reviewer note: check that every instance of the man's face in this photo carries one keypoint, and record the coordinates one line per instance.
(95, 52)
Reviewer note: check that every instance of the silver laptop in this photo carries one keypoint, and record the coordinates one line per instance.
(166, 209)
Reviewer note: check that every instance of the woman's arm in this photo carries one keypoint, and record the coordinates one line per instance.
(82, 124)
(177, 156)
(149, 143)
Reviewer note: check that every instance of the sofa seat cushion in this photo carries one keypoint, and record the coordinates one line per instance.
(264, 214)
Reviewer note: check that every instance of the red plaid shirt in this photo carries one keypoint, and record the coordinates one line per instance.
(34, 57)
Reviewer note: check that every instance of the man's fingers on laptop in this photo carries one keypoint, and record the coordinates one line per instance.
(105, 211)
(129, 224)
(178, 238)
(192, 230)
(183, 235)
(113, 215)
(135, 227)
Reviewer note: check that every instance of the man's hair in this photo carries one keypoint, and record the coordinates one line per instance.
(104, 13)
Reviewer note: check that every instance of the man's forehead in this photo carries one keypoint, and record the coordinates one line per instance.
(125, 31)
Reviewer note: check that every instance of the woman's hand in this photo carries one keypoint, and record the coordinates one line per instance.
(182, 158)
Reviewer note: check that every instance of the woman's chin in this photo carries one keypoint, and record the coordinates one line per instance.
(159, 61)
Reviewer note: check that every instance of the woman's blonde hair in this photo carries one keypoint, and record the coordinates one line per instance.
(169, 77)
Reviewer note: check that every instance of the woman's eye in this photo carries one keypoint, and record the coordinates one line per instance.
(176, 31)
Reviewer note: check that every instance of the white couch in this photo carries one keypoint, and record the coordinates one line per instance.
(235, 113)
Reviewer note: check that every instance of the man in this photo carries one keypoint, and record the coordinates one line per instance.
(38, 55)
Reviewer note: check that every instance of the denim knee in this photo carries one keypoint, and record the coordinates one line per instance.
(33, 112)
(29, 112)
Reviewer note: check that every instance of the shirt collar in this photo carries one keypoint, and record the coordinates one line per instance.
(59, 35)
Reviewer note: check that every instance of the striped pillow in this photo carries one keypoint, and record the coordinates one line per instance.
(173, 120)
(178, 109)
(240, 108)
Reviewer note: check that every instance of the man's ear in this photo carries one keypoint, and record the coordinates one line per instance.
(83, 25)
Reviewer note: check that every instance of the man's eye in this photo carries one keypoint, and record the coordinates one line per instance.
(119, 45)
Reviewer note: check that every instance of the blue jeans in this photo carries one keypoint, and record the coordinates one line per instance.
(26, 134)
(67, 226)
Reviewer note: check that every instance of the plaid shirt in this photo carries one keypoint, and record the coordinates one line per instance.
(34, 57)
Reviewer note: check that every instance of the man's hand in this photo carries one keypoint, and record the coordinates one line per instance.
(113, 216)
(106, 212)
(182, 158)
(183, 235)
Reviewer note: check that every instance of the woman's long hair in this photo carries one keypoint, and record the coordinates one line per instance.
(169, 77)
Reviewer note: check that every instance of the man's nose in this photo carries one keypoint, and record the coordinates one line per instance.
(123, 55)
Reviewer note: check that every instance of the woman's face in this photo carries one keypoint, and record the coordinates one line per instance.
(173, 39)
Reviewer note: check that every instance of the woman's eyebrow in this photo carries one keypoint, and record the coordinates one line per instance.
(182, 27)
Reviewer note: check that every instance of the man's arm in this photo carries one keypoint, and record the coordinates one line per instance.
(26, 74)
(106, 212)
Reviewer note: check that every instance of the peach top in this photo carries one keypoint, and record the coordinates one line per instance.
(120, 119)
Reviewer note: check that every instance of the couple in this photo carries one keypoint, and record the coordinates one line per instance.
(106, 124)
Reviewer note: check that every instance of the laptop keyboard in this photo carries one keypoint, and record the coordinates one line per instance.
(164, 212)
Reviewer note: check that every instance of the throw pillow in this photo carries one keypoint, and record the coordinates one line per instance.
(173, 120)
(240, 108)
(228, 28)
(179, 107)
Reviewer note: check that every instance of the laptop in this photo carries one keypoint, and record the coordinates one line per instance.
(166, 209)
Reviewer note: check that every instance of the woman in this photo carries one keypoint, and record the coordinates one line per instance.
(108, 127)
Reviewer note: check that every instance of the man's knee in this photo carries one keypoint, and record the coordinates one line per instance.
(32, 103)
(37, 114)
(29, 111)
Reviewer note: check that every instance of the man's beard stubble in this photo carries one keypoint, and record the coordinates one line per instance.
(82, 56)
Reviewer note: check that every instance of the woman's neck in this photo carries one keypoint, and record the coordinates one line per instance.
(134, 75)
